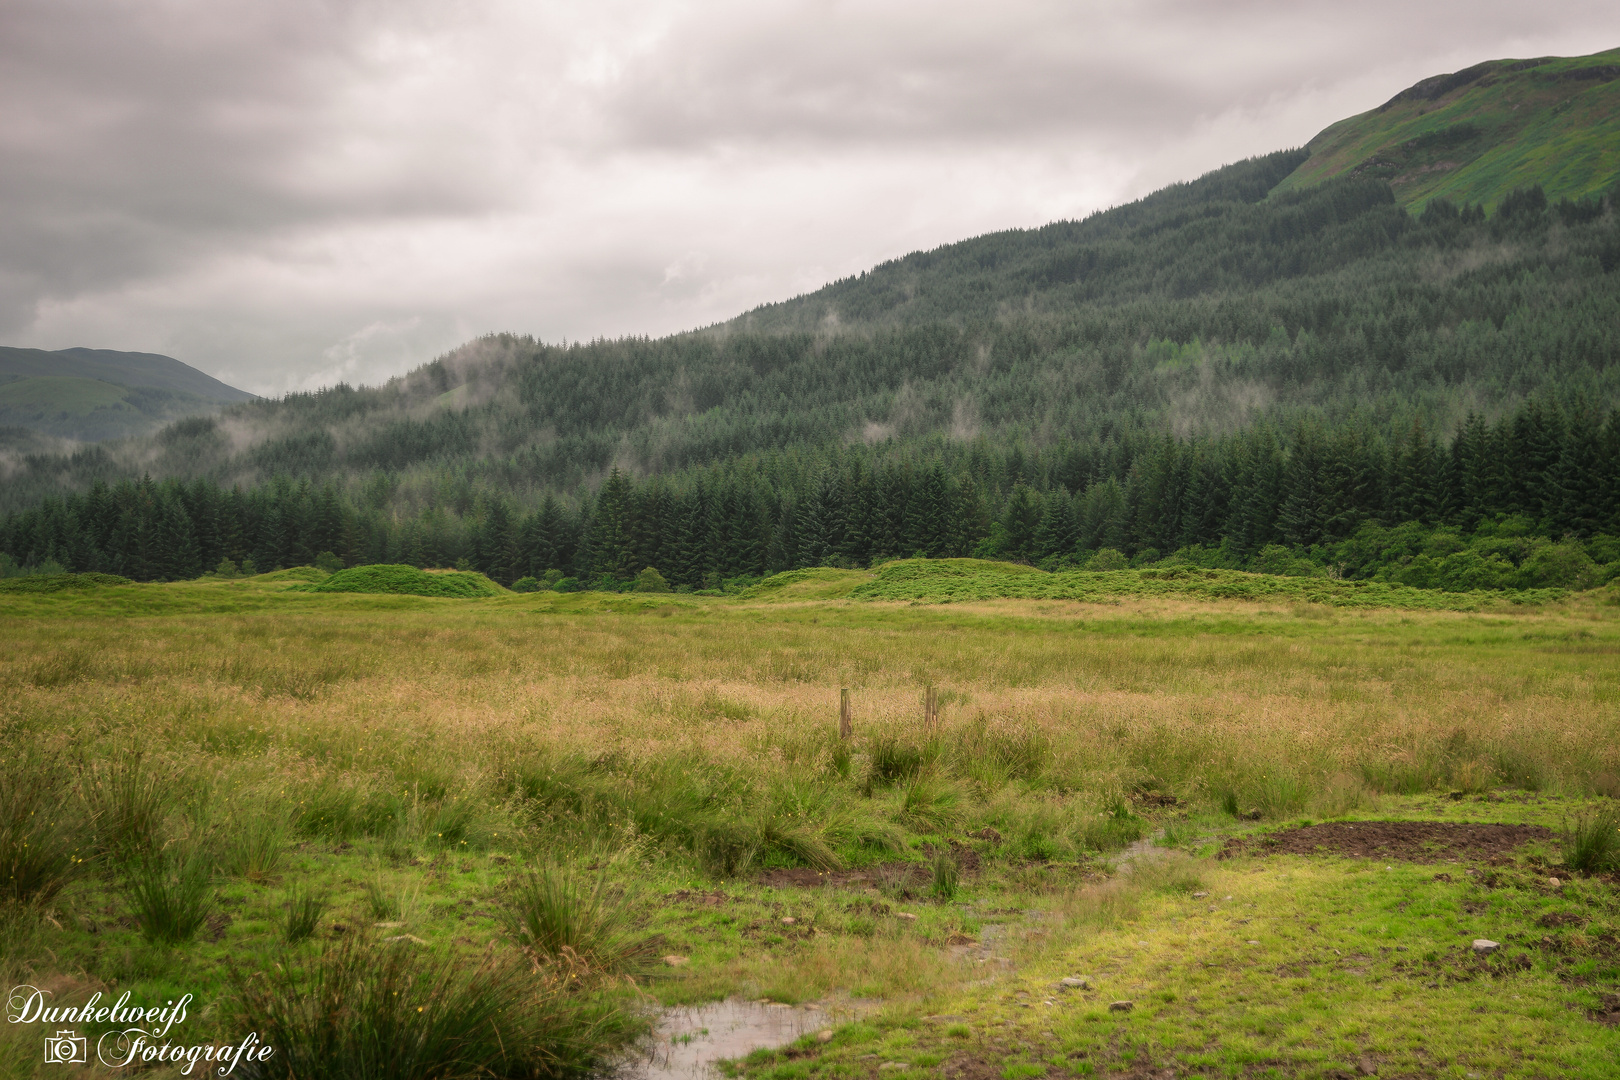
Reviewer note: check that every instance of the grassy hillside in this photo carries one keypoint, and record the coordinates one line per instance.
(96, 394)
(1475, 135)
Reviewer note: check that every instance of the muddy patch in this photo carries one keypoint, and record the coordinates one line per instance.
(1406, 841)
(898, 877)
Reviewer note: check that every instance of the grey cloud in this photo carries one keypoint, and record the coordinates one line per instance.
(313, 189)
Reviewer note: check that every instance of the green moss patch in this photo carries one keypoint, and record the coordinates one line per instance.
(408, 579)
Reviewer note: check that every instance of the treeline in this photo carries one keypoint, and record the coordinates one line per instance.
(1531, 500)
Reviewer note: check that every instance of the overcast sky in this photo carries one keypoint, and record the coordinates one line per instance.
(286, 194)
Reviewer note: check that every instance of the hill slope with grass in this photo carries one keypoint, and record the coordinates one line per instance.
(96, 394)
(1476, 135)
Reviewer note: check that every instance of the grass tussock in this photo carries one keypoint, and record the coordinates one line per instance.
(363, 1010)
(302, 915)
(1591, 843)
(170, 892)
(41, 850)
(575, 921)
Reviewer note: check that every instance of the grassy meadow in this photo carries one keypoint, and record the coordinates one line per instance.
(408, 836)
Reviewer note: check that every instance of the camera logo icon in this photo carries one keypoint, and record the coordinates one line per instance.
(66, 1048)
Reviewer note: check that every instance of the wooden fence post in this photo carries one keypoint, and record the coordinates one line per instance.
(930, 709)
(846, 727)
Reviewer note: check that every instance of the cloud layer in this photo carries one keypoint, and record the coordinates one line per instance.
(289, 194)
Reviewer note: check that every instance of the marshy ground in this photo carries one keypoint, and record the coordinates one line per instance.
(1275, 831)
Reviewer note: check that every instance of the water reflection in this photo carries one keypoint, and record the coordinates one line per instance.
(689, 1039)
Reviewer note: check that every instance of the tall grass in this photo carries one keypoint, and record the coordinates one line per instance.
(255, 846)
(40, 836)
(130, 800)
(568, 918)
(171, 892)
(367, 1012)
(303, 915)
(1591, 844)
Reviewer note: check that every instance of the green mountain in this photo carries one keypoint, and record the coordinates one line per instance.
(95, 394)
(1245, 367)
(1475, 135)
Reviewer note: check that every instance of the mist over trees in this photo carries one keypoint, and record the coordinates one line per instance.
(1314, 382)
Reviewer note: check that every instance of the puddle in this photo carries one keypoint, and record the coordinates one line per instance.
(689, 1039)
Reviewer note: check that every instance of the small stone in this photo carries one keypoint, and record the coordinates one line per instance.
(789, 921)
(1229, 898)
(1554, 882)
(1366, 1067)
(824, 1035)
(906, 915)
(1121, 1006)
(389, 925)
(1199, 895)
(676, 961)
(1484, 947)
(412, 938)
(1076, 982)
(1254, 943)
(893, 1066)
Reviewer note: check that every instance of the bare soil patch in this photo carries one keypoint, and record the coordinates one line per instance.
(903, 876)
(1407, 841)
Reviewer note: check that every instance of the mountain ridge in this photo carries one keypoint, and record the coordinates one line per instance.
(95, 394)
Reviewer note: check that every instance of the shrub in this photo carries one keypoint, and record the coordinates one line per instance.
(171, 893)
(400, 1013)
(328, 562)
(566, 919)
(526, 585)
(651, 581)
(1108, 559)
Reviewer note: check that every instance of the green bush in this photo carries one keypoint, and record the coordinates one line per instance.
(1107, 559)
(651, 581)
(526, 585)
(328, 562)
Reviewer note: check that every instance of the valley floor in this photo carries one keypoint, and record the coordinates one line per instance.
(1168, 801)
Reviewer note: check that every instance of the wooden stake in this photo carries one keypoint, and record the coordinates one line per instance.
(930, 709)
(846, 727)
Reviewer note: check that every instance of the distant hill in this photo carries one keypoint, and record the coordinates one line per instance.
(1475, 135)
(97, 394)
